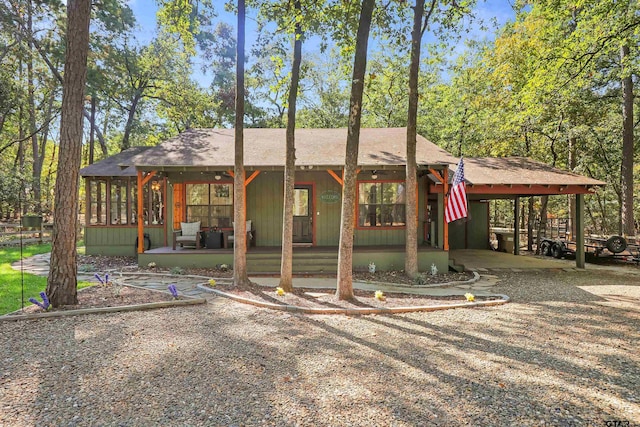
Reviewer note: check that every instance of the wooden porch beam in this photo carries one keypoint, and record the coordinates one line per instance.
(519, 189)
(148, 177)
(251, 178)
(437, 175)
(336, 177)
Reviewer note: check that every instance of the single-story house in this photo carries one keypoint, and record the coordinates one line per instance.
(150, 191)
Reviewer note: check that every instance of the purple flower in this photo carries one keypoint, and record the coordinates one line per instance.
(36, 302)
(45, 300)
(99, 278)
(43, 305)
(106, 278)
(173, 290)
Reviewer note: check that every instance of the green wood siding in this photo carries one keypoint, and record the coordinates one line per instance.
(478, 229)
(118, 240)
(471, 233)
(264, 208)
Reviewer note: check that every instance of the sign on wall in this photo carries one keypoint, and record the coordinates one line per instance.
(330, 196)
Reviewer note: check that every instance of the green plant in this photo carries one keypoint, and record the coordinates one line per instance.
(419, 280)
(116, 288)
(177, 270)
(86, 268)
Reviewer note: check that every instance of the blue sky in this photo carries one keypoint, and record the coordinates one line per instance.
(486, 11)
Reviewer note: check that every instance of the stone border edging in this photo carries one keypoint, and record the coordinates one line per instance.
(475, 278)
(358, 311)
(188, 300)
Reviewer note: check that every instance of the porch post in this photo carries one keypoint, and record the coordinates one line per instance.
(140, 215)
(440, 222)
(580, 230)
(516, 226)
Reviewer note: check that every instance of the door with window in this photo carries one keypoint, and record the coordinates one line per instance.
(303, 214)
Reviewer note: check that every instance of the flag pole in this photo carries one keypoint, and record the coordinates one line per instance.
(445, 190)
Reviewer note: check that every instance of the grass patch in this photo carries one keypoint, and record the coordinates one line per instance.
(11, 280)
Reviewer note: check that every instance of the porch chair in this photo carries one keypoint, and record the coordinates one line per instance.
(250, 235)
(189, 234)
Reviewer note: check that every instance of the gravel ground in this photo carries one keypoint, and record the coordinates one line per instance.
(563, 353)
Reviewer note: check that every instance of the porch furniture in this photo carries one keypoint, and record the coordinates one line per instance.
(214, 239)
(250, 235)
(189, 234)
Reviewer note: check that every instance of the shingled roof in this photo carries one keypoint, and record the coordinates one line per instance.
(519, 171)
(265, 148)
(380, 148)
(111, 166)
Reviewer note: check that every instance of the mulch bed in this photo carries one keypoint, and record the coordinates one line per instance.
(326, 298)
(99, 296)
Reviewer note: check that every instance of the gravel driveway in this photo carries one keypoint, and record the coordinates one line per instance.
(564, 353)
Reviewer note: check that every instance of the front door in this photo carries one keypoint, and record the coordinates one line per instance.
(303, 214)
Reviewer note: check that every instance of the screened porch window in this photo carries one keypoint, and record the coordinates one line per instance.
(381, 204)
(119, 200)
(211, 204)
(114, 201)
(98, 202)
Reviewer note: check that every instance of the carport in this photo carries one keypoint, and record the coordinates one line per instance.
(511, 178)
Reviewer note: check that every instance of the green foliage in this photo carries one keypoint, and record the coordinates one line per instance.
(12, 280)
(11, 283)
(177, 270)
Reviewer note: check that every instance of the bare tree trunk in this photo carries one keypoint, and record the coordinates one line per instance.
(126, 143)
(344, 290)
(92, 121)
(542, 228)
(572, 197)
(35, 153)
(411, 181)
(240, 277)
(626, 170)
(62, 280)
(19, 163)
(286, 266)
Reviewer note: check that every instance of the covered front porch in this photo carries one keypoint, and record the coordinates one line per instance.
(324, 260)
(306, 259)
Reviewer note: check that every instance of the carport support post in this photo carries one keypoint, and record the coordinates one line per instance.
(516, 226)
(580, 230)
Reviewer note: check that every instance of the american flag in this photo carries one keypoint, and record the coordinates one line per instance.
(457, 202)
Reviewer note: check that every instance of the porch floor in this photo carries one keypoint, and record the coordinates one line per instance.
(278, 250)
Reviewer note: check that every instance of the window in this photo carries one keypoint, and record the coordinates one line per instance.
(118, 202)
(155, 201)
(211, 204)
(381, 204)
(98, 202)
(115, 202)
(301, 202)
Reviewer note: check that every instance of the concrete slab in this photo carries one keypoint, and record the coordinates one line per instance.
(481, 260)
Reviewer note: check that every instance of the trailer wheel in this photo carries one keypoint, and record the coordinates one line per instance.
(616, 244)
(557, 250)
(545, 248)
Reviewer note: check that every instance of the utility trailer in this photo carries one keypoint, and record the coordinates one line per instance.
(612, 247)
